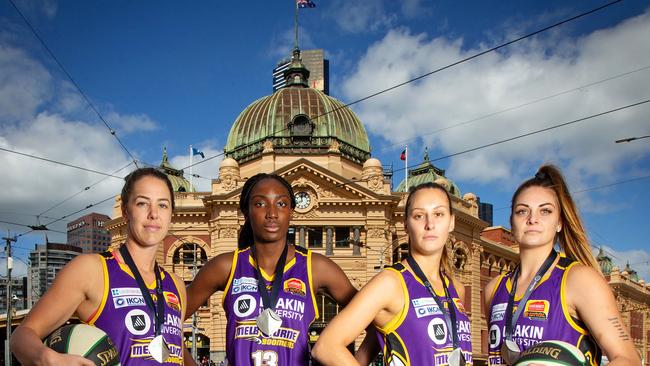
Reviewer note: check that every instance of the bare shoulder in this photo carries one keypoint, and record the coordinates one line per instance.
(83, 269)
(585, 280)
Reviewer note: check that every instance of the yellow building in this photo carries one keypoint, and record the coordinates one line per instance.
(347, 209)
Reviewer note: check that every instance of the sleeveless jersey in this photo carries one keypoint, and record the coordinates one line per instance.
(296, 306)
(545, 317)
(419, 334)
(123, 314)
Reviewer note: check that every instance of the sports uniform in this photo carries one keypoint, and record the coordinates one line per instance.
(296, 306)
(123, 314)
(418, 335)
(545, 317)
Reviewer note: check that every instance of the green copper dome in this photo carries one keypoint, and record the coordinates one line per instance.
(175, 176)
(604, 261)
(297, 119)
(427, 172)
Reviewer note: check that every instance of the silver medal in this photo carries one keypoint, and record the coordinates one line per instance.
(268, 322)
(510, 352)
(456, 358)
(158, 349)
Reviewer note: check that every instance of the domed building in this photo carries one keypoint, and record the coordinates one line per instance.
(347, 210)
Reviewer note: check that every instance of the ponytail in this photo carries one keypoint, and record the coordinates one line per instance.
(573, 236)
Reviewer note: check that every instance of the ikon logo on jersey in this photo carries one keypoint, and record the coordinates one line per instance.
(295, 286)
(244, 284)
(536, 309)
(172, 300)
(124, 301)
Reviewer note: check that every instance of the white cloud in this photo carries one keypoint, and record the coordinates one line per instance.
(497, 81)
(360, 16)
(46, 117)
(24, 84)
(281, 45)
(208, 170)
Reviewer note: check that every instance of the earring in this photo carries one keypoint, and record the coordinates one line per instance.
(558, 228)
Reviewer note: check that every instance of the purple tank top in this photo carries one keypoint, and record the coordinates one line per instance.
(296, 305)
(419, 334)
(545, 317)
(125, 317)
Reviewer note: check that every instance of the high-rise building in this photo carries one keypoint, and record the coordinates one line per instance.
(315, 62)
(485, 211)
(89, 234)
(46, 260)
(18, 290)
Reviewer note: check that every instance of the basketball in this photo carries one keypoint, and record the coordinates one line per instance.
(552, 353)
(84, 340)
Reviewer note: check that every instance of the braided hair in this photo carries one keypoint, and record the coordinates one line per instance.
(246, 238)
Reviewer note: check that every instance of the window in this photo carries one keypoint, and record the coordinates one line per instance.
(291, 235)
(315, 237)
(184, 256)
(342, 237)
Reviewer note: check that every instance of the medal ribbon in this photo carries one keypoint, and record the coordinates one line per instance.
(510, 319)
(158, 310)
(271, 299)
(450, 313)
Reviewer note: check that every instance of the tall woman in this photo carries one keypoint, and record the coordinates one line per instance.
(269, 285)
(415, 305)
(551, 296)
(118, 291)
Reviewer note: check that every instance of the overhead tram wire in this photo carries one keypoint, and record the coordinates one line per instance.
(533, 132)
(70, 214)
(508, 109)
(92, 106)
(476, 55)
(82, 191)
(60, 163)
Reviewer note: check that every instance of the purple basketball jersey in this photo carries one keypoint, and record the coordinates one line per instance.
(545, 317)
(296, 306)
(125, 317)
(419, 334)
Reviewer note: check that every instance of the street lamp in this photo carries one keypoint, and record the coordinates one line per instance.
(631, 139)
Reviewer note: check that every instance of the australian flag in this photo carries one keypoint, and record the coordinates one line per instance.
(305, 4)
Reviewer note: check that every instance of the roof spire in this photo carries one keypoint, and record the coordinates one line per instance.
(296, 74)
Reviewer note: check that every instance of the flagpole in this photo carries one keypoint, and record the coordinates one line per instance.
(191, 176)
(406, 166)
(295, 26)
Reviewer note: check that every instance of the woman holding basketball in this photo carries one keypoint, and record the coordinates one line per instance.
(123, 292)
(268, 324)
(415, 304)
(553, 296)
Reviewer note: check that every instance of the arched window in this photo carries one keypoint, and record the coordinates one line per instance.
(184, 256)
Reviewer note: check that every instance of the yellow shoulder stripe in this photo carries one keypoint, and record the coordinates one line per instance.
(235, 255)
(399, 318)
(102, 304)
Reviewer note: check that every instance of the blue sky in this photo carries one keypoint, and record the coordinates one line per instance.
(172, 74)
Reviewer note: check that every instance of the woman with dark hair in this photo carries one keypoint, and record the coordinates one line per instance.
(550, 295)
(269, 284)
(415, 304)
(119, 291)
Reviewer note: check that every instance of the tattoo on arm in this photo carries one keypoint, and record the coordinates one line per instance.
(616, 323)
